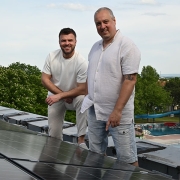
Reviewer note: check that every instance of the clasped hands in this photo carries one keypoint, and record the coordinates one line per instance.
(57, 97)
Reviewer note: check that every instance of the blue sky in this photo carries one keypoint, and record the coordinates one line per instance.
(29, 29)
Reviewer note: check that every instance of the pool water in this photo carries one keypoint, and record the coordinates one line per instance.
(160, 129)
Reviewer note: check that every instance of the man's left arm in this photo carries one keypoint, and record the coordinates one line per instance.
(129, 81)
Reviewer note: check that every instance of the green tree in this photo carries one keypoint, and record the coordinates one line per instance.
(28, 69)
(150, 95)
(21, 88)
(173, 86)
(138, 96)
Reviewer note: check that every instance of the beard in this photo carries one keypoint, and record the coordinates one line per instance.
(69, 52)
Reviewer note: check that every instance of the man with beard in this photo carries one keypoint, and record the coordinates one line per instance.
(64, 76)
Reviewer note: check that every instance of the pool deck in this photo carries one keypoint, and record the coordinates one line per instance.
(165, 139)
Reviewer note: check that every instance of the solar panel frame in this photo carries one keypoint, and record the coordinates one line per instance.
(68, 172)
(9, 171)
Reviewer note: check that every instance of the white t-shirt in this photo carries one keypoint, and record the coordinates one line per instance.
(105, 76)
(66, 73)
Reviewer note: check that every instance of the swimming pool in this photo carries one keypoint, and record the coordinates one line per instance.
(159, 129)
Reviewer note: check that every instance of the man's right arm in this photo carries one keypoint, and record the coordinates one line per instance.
(46, 82)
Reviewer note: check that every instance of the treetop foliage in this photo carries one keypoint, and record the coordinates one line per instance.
(28, 69)
(21, 88)
(173, 87)
(150, 95)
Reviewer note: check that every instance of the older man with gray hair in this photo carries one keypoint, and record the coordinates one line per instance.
(112, 72)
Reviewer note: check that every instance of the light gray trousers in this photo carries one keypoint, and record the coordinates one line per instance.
(56, 114)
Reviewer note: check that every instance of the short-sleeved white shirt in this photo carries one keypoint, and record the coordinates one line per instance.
(66, 73)
(105, 76)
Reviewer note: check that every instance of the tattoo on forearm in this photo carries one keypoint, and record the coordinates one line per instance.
(129, 77)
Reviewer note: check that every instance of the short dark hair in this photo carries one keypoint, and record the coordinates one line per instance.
(66, 31)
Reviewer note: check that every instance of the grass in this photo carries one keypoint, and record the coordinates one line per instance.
(158, 120)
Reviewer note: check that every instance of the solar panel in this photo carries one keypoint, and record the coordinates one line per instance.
(8, 171)
(70, 172)
(43, 157)
(39, 123)
(4, 126)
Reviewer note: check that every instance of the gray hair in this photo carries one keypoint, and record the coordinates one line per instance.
(104, 8)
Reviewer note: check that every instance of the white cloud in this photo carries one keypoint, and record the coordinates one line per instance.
(71, 6)
(148, 2)
(154, 14)
(52, 5)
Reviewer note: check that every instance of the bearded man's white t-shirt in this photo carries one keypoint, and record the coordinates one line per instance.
(66, 73)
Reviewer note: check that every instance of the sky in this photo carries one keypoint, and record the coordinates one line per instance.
(29, 29)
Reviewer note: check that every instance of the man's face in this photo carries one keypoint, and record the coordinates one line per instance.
(67, 44)
(105, 24)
